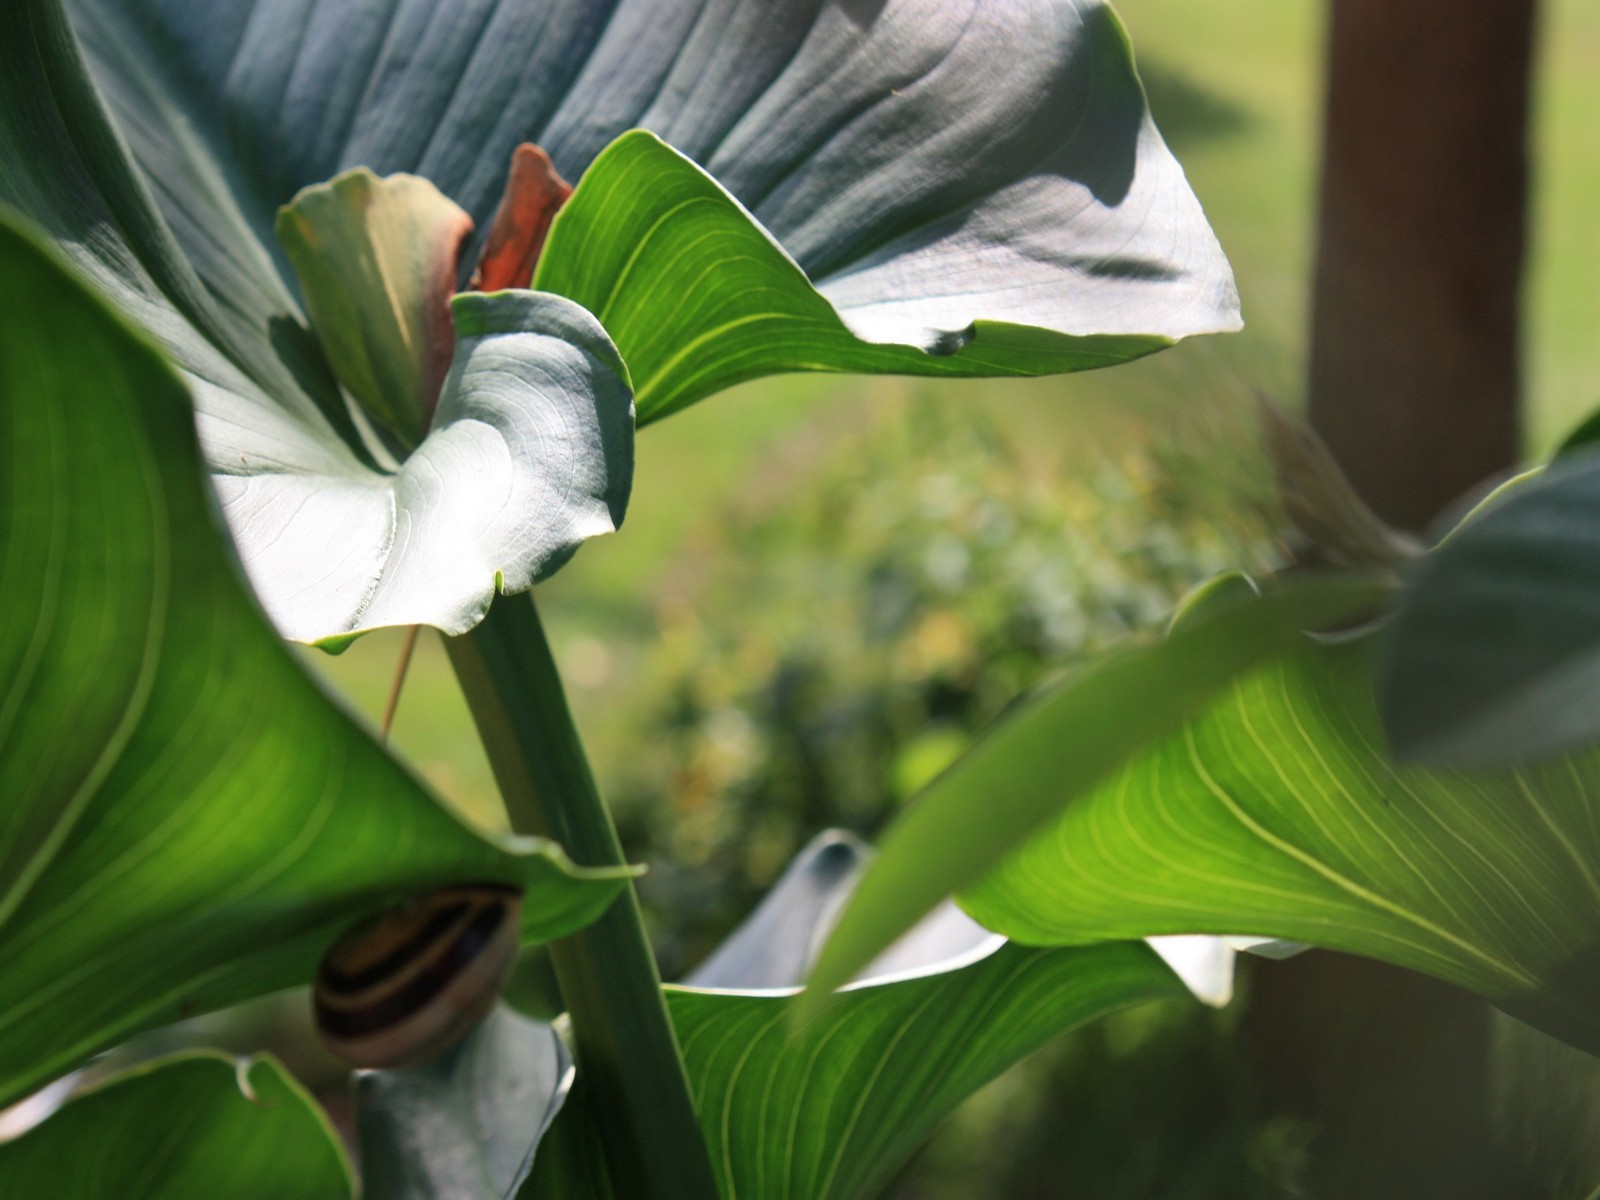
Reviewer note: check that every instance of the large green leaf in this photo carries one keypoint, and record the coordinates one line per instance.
(466, 1125)
(833, 1109)
(199, 1125)
(185, 819)
(645, 217)
(1495, 653)
(1276, 812)
(1020, 775)
(981, 177)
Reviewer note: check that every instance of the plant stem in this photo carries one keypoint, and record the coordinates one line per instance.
(627, 1051)
(399, 681)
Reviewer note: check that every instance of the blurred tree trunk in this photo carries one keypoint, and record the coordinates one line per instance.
(1414, 348)
(1414, 386)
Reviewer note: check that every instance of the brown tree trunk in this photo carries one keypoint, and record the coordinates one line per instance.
(1414, 386)
(1414, 350)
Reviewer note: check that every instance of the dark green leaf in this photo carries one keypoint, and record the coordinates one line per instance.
(466, 1125)
(1020, 776)
(1546, 1103)
(200, 1125)
(1275, 812)
(831, 1111)
(186, 819)
(1583, 435)
(1495, 652)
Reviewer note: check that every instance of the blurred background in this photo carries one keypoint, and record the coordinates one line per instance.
(826, 587)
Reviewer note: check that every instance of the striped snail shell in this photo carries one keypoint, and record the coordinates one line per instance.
(404, 987)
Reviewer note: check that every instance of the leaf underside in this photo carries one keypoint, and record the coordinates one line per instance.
(1495, 652)
(972, 188)
(1021, 773)
(466, 1125)
(831, 1109)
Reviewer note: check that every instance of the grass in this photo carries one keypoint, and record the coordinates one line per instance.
(1236, 86)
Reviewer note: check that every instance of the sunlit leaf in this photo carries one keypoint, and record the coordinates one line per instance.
(972, 188)
(1276, 812)
(1024, 772)
(833, 1109)
(186, 820)
(644, 216)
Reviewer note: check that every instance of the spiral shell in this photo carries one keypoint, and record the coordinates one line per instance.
(406, 986)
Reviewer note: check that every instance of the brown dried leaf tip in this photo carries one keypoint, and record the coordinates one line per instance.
(534, 194)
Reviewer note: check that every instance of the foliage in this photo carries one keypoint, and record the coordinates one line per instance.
(759, 188)
(1095, 250)
(928, 575)
(148, 705)
(194, 1125)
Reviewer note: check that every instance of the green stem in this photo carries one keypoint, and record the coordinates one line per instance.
(627, 1051)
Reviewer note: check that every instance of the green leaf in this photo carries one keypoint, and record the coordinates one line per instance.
(195, 1125)
(833, 1109)
(976, 190)
(1495, 651)
(187, 820)
(643, 211)
(466, 1125)
(1275, 812)
(1032, 765)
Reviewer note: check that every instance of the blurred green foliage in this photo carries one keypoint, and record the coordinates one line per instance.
(832, 650)
(839, 646)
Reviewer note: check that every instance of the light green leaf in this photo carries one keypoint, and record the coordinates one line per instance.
(644, 217)
(1495, 652)
(1033, 764)
(186, 820)
(466, 1125)
(197, 1125)
(1275, 812)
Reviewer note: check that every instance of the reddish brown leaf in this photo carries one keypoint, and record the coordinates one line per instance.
(534, 193)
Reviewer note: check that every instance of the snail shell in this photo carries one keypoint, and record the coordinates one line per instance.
(406, 986)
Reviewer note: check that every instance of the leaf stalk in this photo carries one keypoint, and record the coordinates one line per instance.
(626, 1048)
